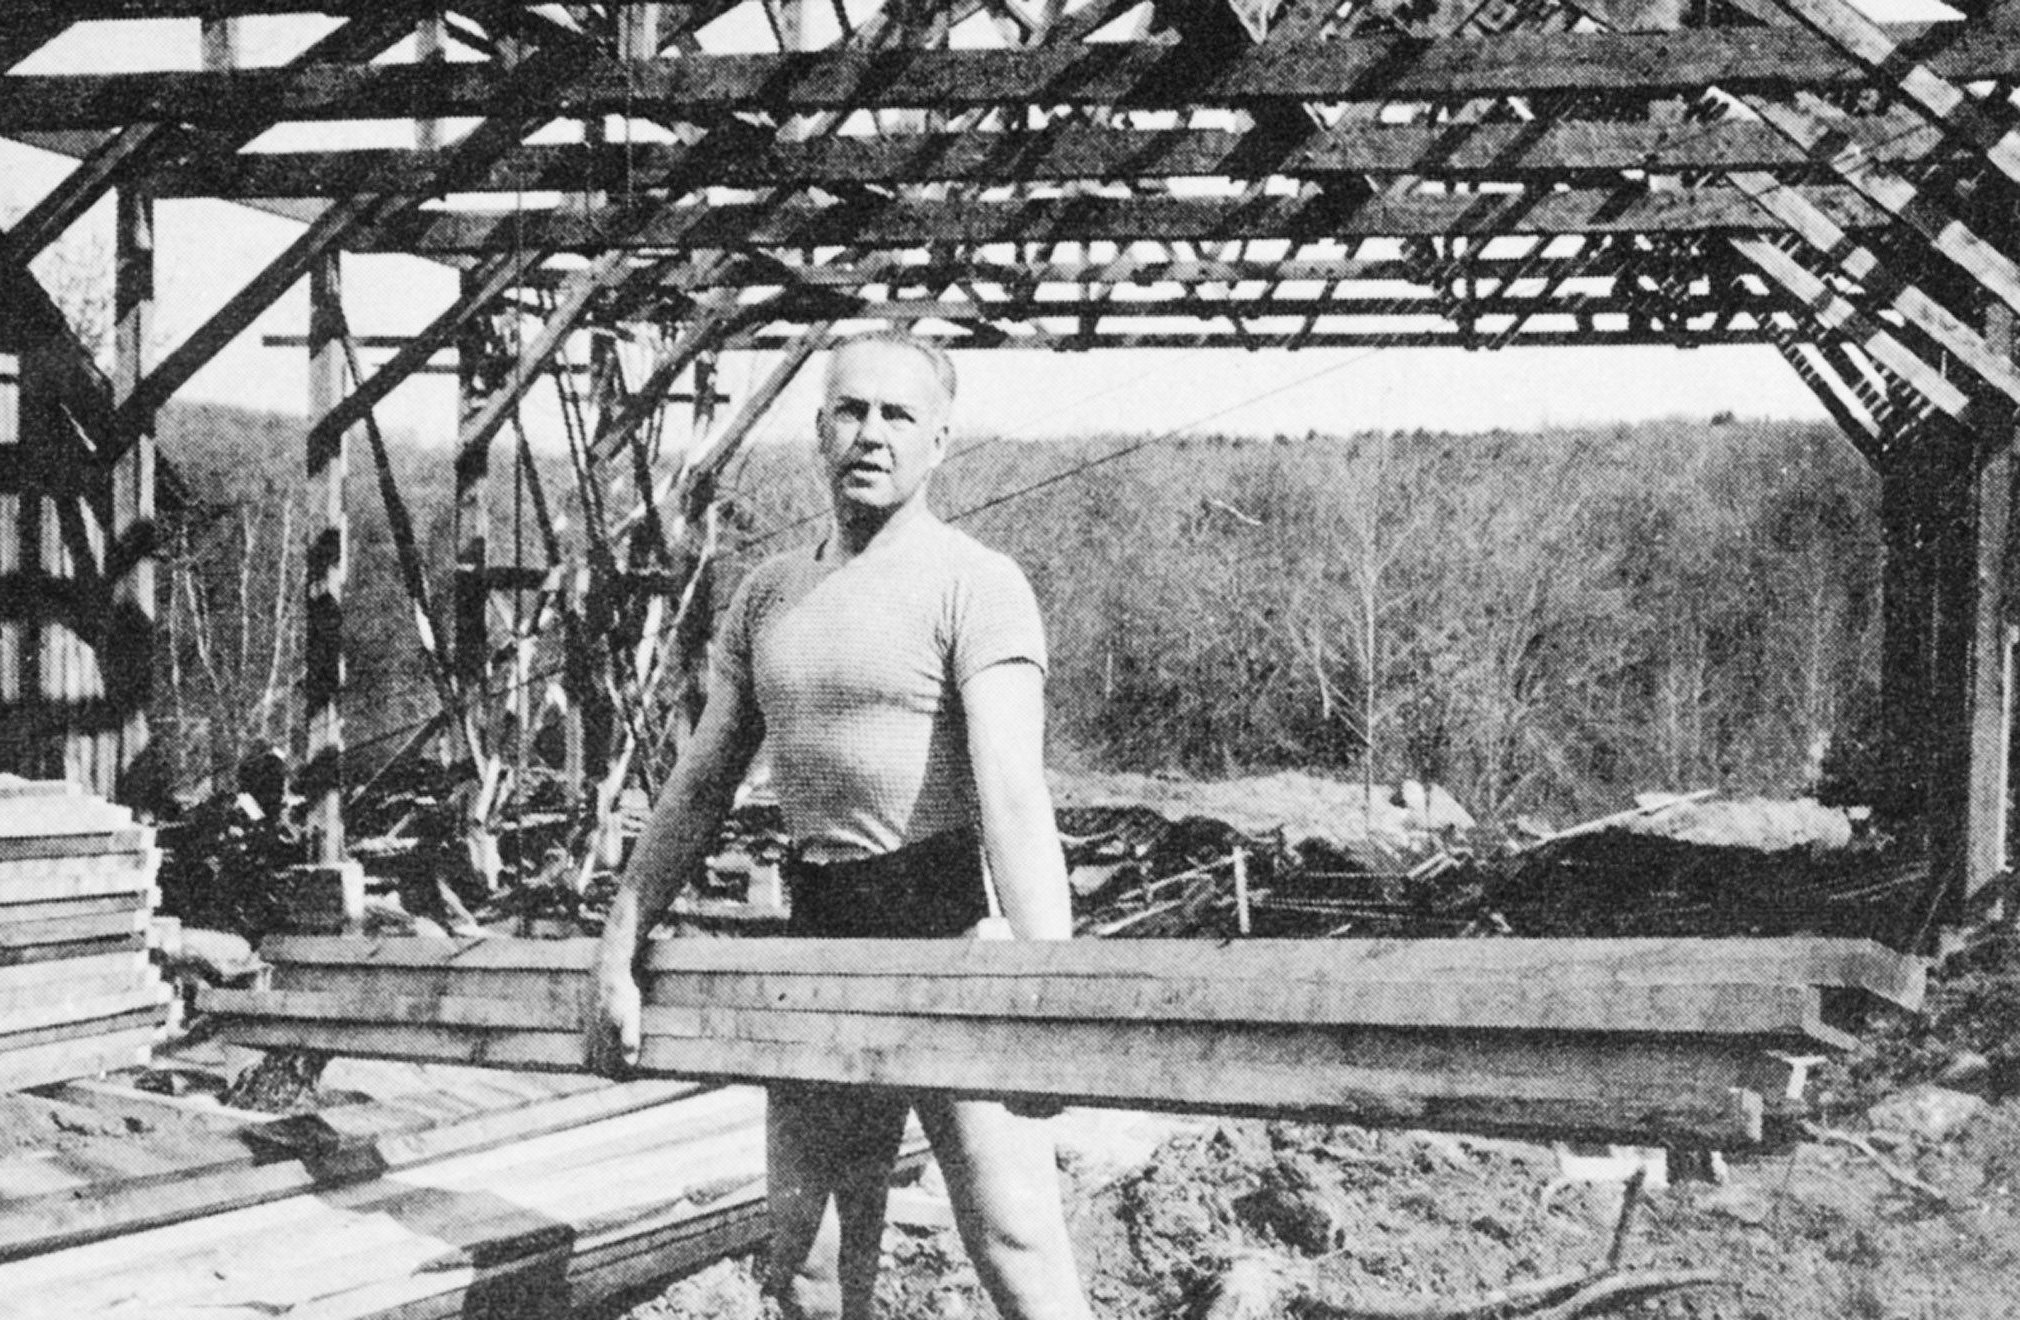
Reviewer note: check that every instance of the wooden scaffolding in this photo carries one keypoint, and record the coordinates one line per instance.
(1062, 174)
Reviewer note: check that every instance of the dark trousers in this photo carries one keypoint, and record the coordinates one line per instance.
(929, 890)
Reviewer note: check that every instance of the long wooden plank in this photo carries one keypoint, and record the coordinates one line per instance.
(1472, 151)
(69, 949)
(1815, 961)
(97, 905)
(1791, 1012)
(63, 984)
(36, 1226)
(1408, 1079)
(308, 1229)
(529, 1051)
(31, 816)
(866, 222)
(80, 876)
(85, 1014)
(17, 1042)
(1146, 75)
(31, 848)
(59, 930)
(346, 1238)
(62, 1060)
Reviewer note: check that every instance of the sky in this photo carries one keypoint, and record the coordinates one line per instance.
(207, 250)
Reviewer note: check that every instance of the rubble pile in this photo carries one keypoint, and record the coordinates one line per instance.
(1702, 867)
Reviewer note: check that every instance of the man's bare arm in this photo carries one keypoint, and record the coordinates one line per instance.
(681, 830)
(1005, 709)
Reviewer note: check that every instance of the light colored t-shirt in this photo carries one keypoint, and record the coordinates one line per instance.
(856, 669)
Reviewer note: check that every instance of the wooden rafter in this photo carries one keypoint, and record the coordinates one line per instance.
(1511, 152)
(139, 148)
(800, 223)
(1121, 75)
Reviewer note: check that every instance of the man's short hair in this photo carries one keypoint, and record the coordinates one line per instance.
(936, 357)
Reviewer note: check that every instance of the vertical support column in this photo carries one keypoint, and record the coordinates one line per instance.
(474, 375)
(430, 47)
(638, 30)
(1946, 507)
(322, 780)
(125, 651)
(1991, 647)
(220, 43)
(705, 397)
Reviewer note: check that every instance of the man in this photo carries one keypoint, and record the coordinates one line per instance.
(896, 673)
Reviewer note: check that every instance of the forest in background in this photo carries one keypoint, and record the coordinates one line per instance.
(1545, 623)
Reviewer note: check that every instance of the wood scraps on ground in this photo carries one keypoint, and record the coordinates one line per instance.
(1264, 1285)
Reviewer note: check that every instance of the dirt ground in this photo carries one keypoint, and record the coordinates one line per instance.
(1819, 1232)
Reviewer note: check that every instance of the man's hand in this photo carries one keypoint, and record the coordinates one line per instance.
(614, 1025)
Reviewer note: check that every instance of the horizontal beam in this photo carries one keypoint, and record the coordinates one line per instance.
(1145, 269)
(895, 222)
(1072, 151)
(1133, 75)
(1543, 1036)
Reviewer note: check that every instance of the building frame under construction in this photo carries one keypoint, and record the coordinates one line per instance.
(721, 175)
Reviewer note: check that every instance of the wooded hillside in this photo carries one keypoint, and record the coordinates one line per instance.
(1545, 623)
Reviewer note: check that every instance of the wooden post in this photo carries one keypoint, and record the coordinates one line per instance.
(126, 647)
(430, 38)
(322, 780)
(220, 43)
(476, 377)
(1241, 917)
(1991, 647)
(638, 30)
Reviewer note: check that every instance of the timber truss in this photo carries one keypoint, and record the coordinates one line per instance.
(1070, 175)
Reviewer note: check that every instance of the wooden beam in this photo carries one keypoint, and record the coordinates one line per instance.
(1836, 315)
(244, 1172)
(1639, 333)
(1528, 1036)
(1122, 75)
(244, 307)
(1861, 264)
(1860, 428)
(534, 78)
(126, 649)
(912, 221)
(326, 565)
(1555, 150)
(1985, 125)
(484, 286)
(141, 147)
(482, 425)
(1817, 130)
(1990, 716)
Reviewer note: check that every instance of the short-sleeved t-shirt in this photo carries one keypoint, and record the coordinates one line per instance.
(857, 668)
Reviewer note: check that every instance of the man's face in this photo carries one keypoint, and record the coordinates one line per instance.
(882, 426)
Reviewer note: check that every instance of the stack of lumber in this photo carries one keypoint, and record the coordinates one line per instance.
(534, 1213)
(1675, 1041)
(78, 994)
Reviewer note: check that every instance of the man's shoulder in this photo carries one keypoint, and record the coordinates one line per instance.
(772, 577)
(959, 554)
